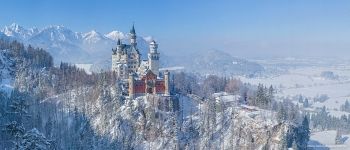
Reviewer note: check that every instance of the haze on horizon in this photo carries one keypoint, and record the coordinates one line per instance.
(247, 29)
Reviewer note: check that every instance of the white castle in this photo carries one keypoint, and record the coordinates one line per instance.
(142, 76)
(126, 59)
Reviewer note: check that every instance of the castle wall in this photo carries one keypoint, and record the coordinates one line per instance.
(160, 87)
(140, 87)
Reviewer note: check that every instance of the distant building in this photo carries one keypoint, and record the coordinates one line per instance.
(142, 76)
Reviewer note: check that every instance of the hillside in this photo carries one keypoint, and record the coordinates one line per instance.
(217, 62)
(65, 108)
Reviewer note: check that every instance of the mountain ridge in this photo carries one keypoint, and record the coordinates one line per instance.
(69, 46)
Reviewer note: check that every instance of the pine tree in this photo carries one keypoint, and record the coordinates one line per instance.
(281, 114)
(232, 127)
(48, 127)
(303, 134)
(175, 129)
(271, 94)
(338, 138)
(35, 140)
(260, 99)
(300, 99)
(306, 128)
(19, 106)
(306, 103)
(284, 142)
(295, 145)
(15, 129)
(346, 106)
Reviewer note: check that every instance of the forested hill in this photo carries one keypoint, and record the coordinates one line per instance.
(48, 107)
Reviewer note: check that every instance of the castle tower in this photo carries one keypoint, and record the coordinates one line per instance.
(166, 83)
(131, 86)
(116, 57)
(118, 61)
(133, 36)
(153, 58)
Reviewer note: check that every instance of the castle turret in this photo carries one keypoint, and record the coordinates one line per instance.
(166, 83)
(131, 86)
(119, 46)
(133, 36)
(153, 58)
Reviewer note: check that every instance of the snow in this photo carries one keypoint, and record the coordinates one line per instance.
(15, 30)
(326, 139)
(93, 37)
(115, 35)
(292, 77)
(225, 97)
(175, 68)
(86, 67)
(69, 46)
(307, 81)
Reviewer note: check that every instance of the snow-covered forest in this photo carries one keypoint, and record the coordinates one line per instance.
(174, 75)
(44, 106)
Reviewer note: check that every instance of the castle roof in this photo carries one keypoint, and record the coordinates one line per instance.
(149, 75)
(153, 42)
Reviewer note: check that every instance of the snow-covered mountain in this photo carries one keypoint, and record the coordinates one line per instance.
(94, 48)
(115, 35)
(16, 31)
(70, 46)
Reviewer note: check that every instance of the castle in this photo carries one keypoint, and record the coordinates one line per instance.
(142, 76)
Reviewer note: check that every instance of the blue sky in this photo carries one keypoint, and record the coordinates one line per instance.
(245, 28)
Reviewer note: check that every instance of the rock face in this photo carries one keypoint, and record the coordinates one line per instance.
(254, 132)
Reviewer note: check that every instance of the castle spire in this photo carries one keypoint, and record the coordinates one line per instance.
(132, 31)
(118, 42)
(133, 36)
(119, 46)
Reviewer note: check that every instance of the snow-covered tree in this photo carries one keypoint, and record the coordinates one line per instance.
(281, 114)
(306, 103)
(34, 140)
(303, 134)
(338, 138)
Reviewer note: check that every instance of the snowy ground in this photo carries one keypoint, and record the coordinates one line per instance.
(308, 82)
(294, 77)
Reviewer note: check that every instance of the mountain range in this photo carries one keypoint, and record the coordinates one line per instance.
(95, 48)
(69, 46)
